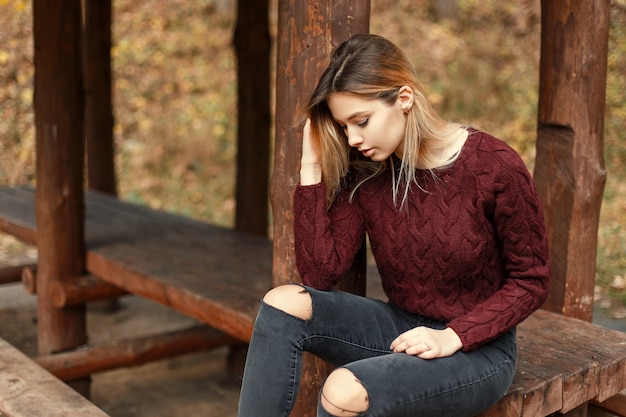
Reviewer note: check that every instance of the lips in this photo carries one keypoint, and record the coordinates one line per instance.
(367, 152)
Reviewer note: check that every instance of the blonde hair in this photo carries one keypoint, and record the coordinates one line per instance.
(374, 68)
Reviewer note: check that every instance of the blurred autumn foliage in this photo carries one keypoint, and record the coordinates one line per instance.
(175, 96)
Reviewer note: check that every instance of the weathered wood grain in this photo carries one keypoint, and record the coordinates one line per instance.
(569, 168)
(28, 390)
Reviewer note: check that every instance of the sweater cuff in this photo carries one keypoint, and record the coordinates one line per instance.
(311, 193)
(469, 342)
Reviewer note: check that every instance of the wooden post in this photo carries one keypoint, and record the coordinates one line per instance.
(98, 101)
(252, 45)
(308, 30)
(569, 168)
(59, 106)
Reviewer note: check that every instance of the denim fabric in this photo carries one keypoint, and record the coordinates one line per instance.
(355, 332)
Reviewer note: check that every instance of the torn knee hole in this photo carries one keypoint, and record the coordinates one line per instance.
(344, 395)
(288, 299)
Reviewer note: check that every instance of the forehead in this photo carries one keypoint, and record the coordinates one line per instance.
(345, 106)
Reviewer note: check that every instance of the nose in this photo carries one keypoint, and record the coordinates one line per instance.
(354, 139)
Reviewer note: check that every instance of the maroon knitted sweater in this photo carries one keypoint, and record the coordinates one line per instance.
(469, 248)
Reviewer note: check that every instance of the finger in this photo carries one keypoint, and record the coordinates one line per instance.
(429, 354)
(398, 346)
(418, 349)
(401, 343)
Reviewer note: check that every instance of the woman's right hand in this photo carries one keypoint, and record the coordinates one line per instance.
(310, 167)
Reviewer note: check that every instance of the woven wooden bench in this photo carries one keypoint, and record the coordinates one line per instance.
(217, 276)
(28, 390)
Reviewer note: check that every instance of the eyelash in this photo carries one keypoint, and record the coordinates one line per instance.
(362, 124)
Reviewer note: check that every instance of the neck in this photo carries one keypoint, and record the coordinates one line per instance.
(451, 148)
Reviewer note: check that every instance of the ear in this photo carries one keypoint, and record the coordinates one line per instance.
(405, 98)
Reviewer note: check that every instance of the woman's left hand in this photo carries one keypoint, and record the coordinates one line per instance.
(427, 343)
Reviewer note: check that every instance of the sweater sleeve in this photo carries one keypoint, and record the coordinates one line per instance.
(326, 241)
(519, 225)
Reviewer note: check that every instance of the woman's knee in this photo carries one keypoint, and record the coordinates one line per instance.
(292, 299)
(343, 394)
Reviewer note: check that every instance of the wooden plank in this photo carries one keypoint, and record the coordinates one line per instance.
(217, 282)
(212, 274)
(18, 213)
(578, 374)
(181, 263)
(588, 343)
(563, 363)
(537, 388)
(30, 391)
(542, 385)
(511, 405)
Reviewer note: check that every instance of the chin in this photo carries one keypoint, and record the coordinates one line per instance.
(379, 157)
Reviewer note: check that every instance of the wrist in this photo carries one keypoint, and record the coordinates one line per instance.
(454, 338)
(310, 173)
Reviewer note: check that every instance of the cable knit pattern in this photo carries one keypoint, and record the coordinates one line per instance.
(469, 248)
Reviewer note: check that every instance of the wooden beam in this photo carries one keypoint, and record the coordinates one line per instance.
(13, 273)
(59, 107)
(308, 31)
(84, 289)
(29, 279)
(569, 168)
(81, 363)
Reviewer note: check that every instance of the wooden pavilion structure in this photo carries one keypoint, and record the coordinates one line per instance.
(73, 222)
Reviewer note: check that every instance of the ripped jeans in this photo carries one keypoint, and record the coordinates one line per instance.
(356, 333)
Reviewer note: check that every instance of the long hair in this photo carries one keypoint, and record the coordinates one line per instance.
(374, 68)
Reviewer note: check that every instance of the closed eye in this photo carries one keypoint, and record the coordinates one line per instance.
(361, 124)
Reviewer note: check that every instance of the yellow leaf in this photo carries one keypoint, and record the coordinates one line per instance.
(27, 96)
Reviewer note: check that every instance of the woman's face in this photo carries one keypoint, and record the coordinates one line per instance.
(375, 128)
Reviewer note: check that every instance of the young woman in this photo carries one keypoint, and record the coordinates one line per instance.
(457, 231)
